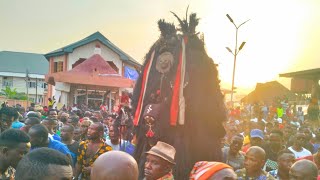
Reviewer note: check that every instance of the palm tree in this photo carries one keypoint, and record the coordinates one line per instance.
(8, 92)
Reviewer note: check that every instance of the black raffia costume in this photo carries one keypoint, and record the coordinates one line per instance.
(180, 76)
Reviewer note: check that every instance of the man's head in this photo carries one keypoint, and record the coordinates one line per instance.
(307, 132)
(38, 135)
(87, 114)
(232, 130)
(256, 137)
(29, 122)
(7, 116)
(44, 163)
(74, 121)
(204, 170)
(269, 127)
(14, 144)
(84, 126)
(276, 139)
(236, 143)
(254, 159)
(53, 114)
(109, 120)
(98, 115)
(51, 124)
(299, 139)
(121, 166)
(114, 133)
(34, 114)
(285, 160)
(159, 162)
(67, 132)
(95, 131)
(64, 117)
(94, 119)
(303, 170)
(77, 134)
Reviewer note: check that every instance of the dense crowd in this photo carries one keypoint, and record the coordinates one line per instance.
(262, 142)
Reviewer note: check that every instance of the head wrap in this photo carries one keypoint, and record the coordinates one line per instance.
(203, 170)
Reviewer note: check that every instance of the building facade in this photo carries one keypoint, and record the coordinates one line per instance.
(24, 72)
(67, 58)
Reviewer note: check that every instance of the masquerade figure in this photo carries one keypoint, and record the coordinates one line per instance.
(179, 81)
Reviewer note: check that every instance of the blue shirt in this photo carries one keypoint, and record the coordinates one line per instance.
(59, 146)
(17, 125)
(56, 137)
(125, 146)
(316, 147)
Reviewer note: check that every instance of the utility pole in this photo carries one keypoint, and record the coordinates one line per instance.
(36, 90)
(27, 84)
(235, 53)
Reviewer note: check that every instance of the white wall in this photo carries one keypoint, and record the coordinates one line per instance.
(87, 51)
(20, 84)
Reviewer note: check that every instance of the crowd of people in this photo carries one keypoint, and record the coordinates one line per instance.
(44, 143)
(278, 141)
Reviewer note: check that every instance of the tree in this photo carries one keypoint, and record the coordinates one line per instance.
(9, 93)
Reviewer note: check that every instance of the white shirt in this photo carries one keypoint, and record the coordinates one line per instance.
(116, 146)
(300, 154)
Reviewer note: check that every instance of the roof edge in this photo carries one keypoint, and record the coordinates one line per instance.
(93, 37)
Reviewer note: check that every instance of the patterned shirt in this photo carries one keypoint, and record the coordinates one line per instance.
(270, 165)
(9, 174)
(242, 175)
(86, 161)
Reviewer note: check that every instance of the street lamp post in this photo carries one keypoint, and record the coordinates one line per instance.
(235, 53)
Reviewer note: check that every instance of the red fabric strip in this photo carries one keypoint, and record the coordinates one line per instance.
(143, 86)
(174, 109)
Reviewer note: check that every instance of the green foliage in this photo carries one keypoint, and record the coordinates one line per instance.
(13, 94)
(20, 96)
(8, 92)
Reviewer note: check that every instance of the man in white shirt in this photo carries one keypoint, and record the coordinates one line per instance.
(117, 143)
(297, 148)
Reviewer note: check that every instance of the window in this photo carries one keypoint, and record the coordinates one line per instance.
(43, 85)
(32, 84)
(58, 66)
(7, 81)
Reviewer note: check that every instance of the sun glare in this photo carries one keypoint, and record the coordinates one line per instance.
(273, 38)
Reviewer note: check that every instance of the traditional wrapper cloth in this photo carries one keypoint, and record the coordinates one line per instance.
(203, 170)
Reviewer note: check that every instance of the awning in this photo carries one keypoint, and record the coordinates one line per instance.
(85, 79)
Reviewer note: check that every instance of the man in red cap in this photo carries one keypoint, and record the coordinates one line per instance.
(204, 170)
(159, 162)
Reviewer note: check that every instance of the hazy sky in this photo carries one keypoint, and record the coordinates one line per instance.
(281, 36)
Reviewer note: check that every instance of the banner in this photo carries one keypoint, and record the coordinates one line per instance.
(131, 73)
